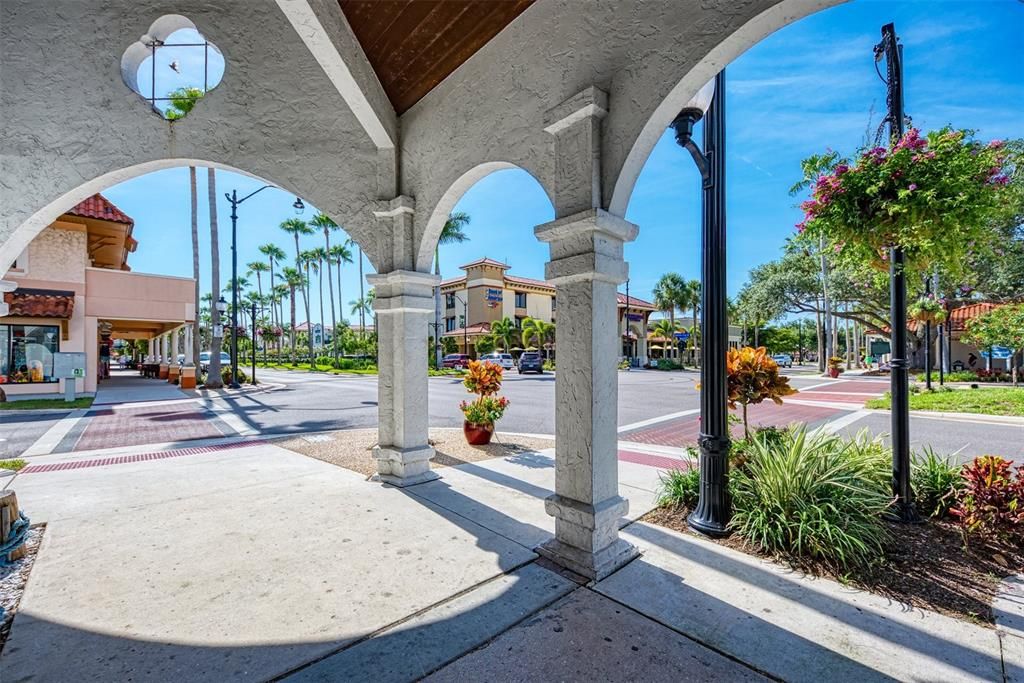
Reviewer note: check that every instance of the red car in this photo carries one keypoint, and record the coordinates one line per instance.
(456, 360)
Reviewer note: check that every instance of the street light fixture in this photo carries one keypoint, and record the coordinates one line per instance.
(235, 201)
(711, 516)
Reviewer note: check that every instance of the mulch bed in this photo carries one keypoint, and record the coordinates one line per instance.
(927, 567)
(13, 579)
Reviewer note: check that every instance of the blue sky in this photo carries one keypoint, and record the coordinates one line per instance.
(810, 86)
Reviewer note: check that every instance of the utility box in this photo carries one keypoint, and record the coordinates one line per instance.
(69, 366)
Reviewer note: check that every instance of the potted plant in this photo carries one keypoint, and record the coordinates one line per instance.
(835, 366)
(927, 309)
(484, 380)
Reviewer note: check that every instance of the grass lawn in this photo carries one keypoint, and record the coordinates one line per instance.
(319, 368)
(1002, 401)
(37, 403)
(15, 464)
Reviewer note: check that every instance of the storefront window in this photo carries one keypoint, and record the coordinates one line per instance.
(26, 353)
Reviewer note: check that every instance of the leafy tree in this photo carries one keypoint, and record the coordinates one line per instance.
(780, 338)
(485, 344)
(1002, 326)
(754, 377)
(182, 101)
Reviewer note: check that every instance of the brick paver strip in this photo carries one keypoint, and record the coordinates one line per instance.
(662, 462)
(146, 424)
(137, 457)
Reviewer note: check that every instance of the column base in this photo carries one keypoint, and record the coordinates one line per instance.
(587, 536)
(173, 372)
(187, 380)
(594, 566)
(404, 466)
(164, 370)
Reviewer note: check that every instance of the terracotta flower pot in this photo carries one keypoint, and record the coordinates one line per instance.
(833, 372)
(477, 435)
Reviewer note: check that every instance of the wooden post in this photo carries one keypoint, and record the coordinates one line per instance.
(8, 516)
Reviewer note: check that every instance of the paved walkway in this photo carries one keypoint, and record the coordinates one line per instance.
(252, 562)
(128, 386)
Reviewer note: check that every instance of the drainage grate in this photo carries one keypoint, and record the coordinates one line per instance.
(138, 457)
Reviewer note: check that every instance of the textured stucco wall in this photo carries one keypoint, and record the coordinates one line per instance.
(58, 255)
(649, 56)
(69, 119)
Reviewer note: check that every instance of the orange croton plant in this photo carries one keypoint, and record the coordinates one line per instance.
(754, 377)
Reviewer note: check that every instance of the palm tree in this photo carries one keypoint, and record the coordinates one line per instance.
(296, 227)
(292, 279)
(668, 291)
(213, 374)
(275, 255)
(692, 299)
(318, 266)
(308, 260)
(323, 222)
(259, 267)
(666, 329)
(195, 260)
(503, 330)
(540, 330)
(341, 255)
(453, 232)
(361, 307)
(362, 317)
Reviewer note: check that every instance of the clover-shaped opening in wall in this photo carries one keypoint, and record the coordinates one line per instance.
(172, 66)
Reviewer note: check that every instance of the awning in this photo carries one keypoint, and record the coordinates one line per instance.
(40, 303)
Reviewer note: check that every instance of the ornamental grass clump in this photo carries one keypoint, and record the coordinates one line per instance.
(936, 481)
(814, 496)
(680, 487)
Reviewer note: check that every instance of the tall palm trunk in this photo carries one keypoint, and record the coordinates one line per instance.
(213, 375)
(309, 320)
(195, 260)
(259, 289)
(320, 281)
(437, 307)
(341, 310)
(362, 297)
(294, 334)
(330, 287)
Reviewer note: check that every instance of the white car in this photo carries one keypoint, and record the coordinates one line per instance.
(502, 359)
(204, 359)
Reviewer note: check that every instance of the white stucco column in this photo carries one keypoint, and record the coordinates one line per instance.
(174, 346)
(586, 268)
(190, 360)
(404, 305)
(641, 341)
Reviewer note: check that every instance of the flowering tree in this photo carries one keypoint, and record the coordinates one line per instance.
(754, 377)
(938, 197)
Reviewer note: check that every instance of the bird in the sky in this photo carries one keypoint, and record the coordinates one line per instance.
(175, 67)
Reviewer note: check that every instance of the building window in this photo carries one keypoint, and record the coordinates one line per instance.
(462, 321)
(449, 301)
(553, 307)
(449, 324)
(519, 323)
(520, 299)
(26, 353)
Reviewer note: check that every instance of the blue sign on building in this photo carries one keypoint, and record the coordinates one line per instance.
(682, 336)
(998, 353)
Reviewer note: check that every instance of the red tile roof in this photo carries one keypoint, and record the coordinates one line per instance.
(453, 280)
(530, 282)
(40, 303)
(475, 328)
(958, 317)
(485, 262)
(634, 302)
(98, 206)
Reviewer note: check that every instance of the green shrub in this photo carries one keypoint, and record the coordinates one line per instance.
(225, 376)
(15, 464)
(954, 376)
(549, 365)
(991, 502)
(680, 487)
(739, 450)
(936, 481)
(814, 496)
(667, 364)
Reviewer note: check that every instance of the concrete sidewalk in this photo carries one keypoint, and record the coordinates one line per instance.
(256, 563)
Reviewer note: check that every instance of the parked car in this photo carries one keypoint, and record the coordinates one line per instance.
(783, 360)
(503, 359)
(456, 360)
(204, 360)
(531, 361)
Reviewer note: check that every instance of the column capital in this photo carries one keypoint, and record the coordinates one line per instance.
(575, 125)
(587, 246)
(592, 102)
(405, 291)
(389, 208)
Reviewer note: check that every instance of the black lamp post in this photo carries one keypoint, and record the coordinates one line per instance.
(235, 201)
(714, 508)
(904, 509)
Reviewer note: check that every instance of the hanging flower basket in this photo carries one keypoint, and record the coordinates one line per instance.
(927, 309)
(937, 197)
